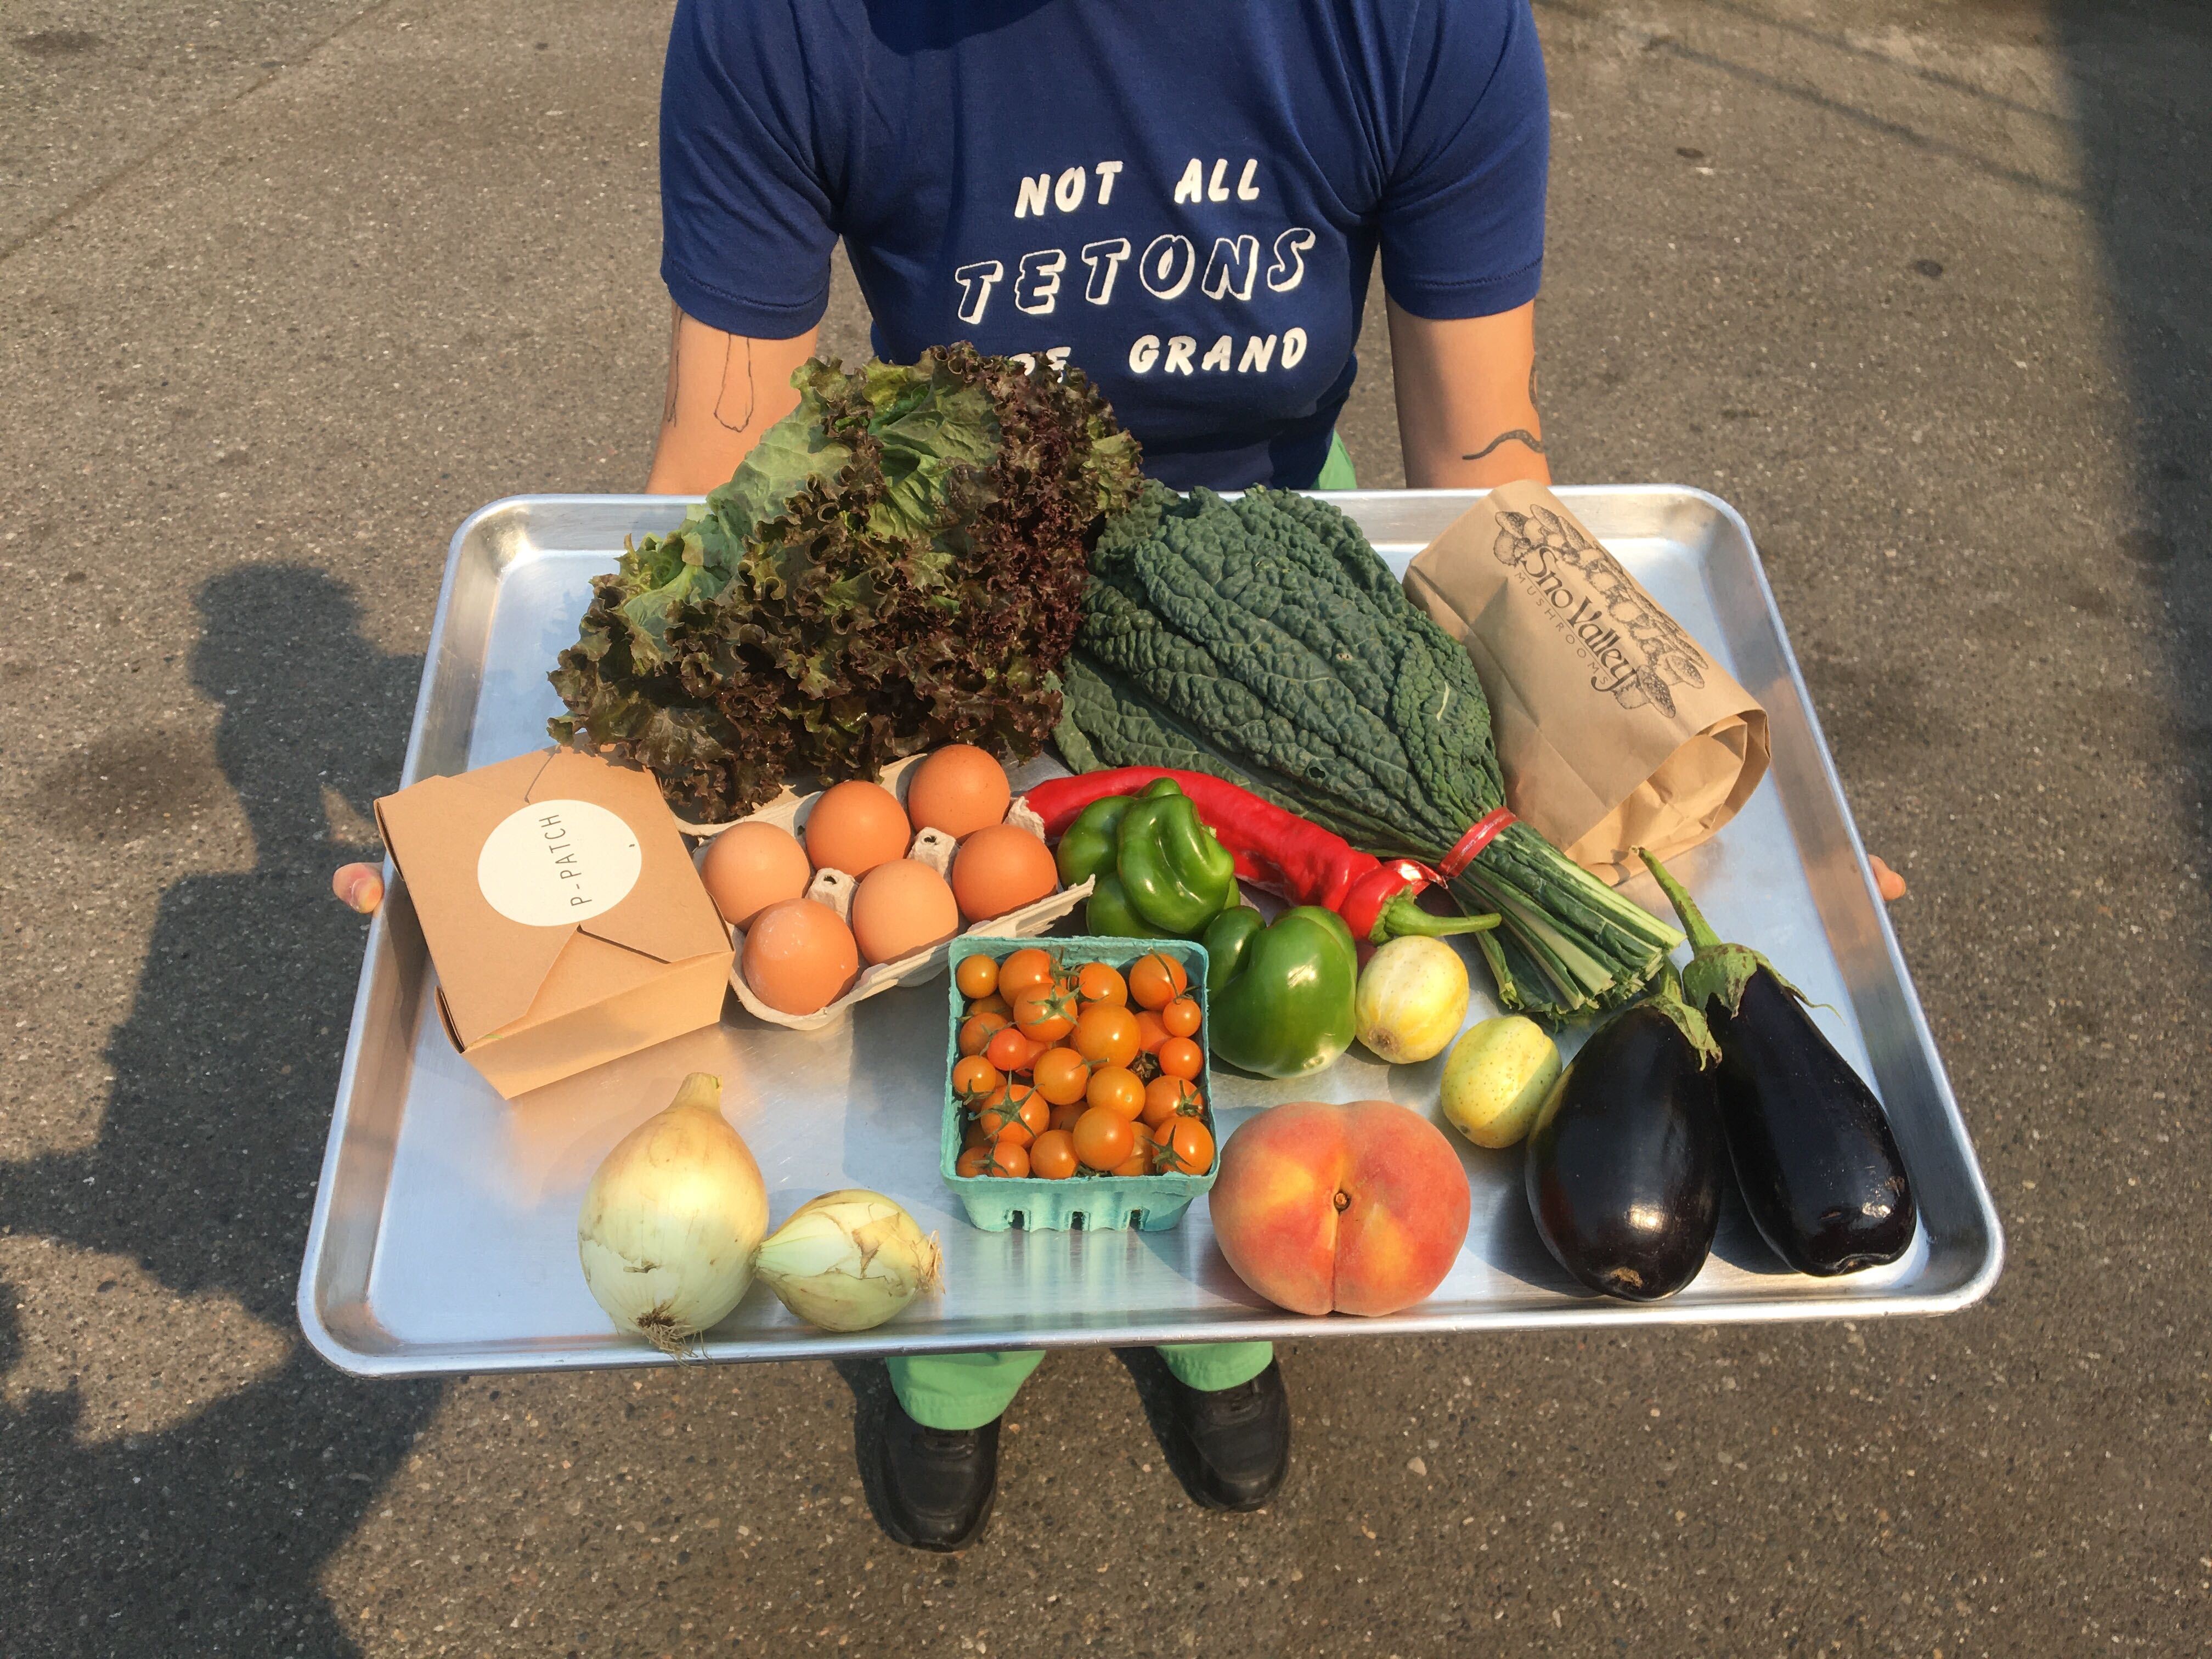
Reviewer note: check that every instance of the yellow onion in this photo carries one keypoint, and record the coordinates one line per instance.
(849, 1260)
(672, 1220)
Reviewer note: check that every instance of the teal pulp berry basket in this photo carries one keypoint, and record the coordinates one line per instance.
(1100, 1203)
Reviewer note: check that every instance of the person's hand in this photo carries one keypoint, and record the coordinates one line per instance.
(360, 887)
(1887, 881)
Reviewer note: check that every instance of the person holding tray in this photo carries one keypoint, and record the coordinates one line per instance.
(1186, 202)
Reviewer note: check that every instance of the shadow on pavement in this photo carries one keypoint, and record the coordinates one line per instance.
(212, 1536)
(2142, 78)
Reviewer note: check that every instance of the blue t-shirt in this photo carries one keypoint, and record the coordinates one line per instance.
(1184, 198)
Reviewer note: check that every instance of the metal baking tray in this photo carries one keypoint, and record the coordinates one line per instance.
(443, 1239)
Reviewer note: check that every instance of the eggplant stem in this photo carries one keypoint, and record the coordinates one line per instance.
(1665, 995)
(1702, 937)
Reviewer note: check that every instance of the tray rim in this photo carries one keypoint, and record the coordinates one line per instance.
(427, 1360)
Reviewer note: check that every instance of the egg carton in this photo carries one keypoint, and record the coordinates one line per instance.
(790, 810)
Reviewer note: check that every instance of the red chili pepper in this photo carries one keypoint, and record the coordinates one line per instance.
(1275, 850)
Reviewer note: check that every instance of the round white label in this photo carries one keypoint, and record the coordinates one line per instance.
(556, 862)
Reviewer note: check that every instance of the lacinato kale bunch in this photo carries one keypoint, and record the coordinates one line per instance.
(1264, 642)
(898, 565)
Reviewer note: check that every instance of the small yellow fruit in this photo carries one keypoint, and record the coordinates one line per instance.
(1496, 1080)
(1413, 995)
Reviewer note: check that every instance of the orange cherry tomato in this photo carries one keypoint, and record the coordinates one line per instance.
(1186, 1146)
(1064, 1117)
(1115, 1089)
(1008, 1158)
(1103, 1139)
(1011, 1052)
(1181, 1016)
(992, 1003)
(1181, 1057)
(976, 976)
(1061, 1075)
(1166, 1097)
(1014, 1093)
(1053, 1156)
(1046, 1012)
(977, 1030)
(1025, 970)
(972, 1133)
(1009, 1111)
(1096, 982)
(972, 1162)
(1138, 1163)
(1157, 980)
(1107, 1034)
(973, 1078)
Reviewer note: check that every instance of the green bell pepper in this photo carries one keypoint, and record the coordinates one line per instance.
(1178, 877)
(1088, 851)
(1087, 846)
(1281, 996)
(1160, 872)
(1109, 914)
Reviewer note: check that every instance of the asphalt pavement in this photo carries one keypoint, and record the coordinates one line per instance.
(286, 289)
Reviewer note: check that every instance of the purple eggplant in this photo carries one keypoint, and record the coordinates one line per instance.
(1624, 1163)
(1817, 1166)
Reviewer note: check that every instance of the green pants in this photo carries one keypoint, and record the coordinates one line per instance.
(1336, 471)
(966, 1391)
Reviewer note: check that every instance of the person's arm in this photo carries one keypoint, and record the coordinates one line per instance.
(1467, 400)
(724, 392)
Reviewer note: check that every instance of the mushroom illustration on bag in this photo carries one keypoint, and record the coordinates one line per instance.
(1537, 543)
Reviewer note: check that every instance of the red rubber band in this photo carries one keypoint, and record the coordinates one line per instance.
(1485, 831)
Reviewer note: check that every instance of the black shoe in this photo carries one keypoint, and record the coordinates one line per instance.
(938, 1483)
(1235, 1442)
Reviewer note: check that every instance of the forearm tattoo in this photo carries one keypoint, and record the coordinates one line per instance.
(1518, 434)
(675, 340)
(722, 411)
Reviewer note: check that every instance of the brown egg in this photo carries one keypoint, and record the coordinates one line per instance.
(799, 957)
(959, 790)
(900, 908)
(750, 867)
(1000, 869)
(855, 826)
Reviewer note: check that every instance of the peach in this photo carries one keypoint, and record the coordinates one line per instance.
(1354, 1209)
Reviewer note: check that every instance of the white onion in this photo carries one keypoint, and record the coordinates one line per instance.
(671, 1221)
(849, 1260)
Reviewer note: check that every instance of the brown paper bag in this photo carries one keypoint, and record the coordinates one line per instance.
(1615, 729)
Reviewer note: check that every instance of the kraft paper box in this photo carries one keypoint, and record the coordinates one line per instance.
(565, 919)
(1615, 729)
